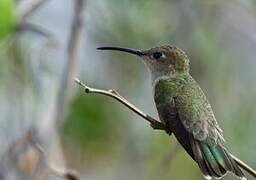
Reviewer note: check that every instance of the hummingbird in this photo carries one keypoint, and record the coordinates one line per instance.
(184, 109)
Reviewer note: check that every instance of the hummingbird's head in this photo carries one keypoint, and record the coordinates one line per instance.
(161, 61)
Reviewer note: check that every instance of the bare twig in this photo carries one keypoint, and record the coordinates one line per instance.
(153, 122)
(71, 67)
(112, 93)
(30, 159)
(244, 166)
(29, 27)
(51, 169)
(27, 7)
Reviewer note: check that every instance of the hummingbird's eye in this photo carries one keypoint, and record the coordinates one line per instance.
(157, 55)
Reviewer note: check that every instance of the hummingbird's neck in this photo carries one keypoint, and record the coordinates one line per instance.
(155, 76)
(164, 76)
(155, 80)
(158, 73)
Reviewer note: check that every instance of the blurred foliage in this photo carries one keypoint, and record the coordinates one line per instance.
(93, 121)
(219, 38)
(8, 18)
(16, 65)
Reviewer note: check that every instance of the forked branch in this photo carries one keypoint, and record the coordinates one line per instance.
(114, 94)
(44, 161)
(27, 7)
(155, 124)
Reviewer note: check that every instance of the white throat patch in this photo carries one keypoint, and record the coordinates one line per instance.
(155, 81)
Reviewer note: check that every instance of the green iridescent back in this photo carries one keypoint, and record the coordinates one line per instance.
(192, 106)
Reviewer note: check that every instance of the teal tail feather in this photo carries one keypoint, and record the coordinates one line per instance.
(214, 161)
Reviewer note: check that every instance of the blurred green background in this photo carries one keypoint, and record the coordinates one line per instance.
(101, 138)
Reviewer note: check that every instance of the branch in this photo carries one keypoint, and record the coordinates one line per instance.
(53, 169)
(153, 122)
(30, 160)
(44, 160)
(34, 28)
(112, 93)
(71, 67)
(244, 166)
(27, 7)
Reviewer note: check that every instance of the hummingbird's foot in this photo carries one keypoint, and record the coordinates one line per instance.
(157, 125)
(168, 131)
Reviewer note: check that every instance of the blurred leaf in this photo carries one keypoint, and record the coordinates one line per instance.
(92, 121)
(8, 18)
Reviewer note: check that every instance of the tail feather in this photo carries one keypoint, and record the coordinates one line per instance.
(199, 158)
(222, 157)
(211, 162)
(214, 161)
(236, 170)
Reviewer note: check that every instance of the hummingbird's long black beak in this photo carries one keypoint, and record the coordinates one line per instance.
(128, 50)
